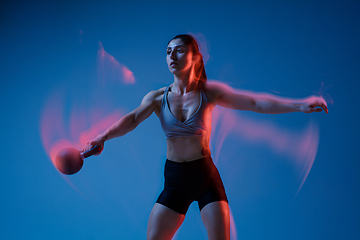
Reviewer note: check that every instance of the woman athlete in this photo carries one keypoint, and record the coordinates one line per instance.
(184, 109)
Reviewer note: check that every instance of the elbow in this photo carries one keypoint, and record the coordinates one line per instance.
(133, 122)
(256, 106)
(259, 106)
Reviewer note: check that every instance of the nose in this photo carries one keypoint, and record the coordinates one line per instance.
(172, 55)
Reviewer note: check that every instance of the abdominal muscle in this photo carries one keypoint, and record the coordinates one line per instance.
(186, 149)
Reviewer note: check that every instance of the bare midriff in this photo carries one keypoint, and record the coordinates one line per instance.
(186, 149)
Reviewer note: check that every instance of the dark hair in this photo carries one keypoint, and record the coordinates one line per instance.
(199, 67)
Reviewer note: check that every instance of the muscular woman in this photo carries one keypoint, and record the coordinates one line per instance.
(184, 109)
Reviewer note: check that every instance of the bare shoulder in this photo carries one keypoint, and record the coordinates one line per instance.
(214, 90)
(154, 96)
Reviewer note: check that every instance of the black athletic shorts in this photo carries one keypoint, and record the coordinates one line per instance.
(197, 180)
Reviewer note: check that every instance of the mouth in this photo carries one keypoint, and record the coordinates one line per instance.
(173, 63)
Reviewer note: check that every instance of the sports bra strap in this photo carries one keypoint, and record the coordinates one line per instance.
(164, 99)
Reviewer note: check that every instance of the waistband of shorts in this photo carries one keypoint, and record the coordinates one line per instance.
(196, 161)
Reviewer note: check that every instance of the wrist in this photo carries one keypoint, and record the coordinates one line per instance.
(298, 107)
(103, 137)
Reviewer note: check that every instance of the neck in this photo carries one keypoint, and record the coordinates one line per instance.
(183, 83)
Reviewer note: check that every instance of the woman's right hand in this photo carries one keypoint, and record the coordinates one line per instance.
(99, 140)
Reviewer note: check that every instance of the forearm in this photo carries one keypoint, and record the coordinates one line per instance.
(276, 105)
(120, 128)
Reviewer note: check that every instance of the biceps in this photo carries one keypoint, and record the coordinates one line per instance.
(142, 112)
(237, 100)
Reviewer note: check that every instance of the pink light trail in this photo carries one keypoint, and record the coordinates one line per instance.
(110, 70)
(55, 135)
(299, 147)
(61, 129)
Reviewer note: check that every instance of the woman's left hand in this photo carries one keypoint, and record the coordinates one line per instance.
(314, 104)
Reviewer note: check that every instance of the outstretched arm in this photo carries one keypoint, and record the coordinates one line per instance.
(127, 123)
(225, 96)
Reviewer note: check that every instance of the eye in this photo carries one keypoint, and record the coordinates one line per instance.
(168, 51)
(180, 50)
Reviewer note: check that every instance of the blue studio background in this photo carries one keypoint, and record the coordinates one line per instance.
(49, 52)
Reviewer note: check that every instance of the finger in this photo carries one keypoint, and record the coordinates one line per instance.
(86, 147)
(83, 148)
(325, 108)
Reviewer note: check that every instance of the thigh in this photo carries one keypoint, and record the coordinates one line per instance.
(216, 218)
(163, 223)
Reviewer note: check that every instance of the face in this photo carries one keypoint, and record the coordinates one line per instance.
(179, 56)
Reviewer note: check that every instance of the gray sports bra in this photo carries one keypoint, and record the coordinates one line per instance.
(199, 124)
